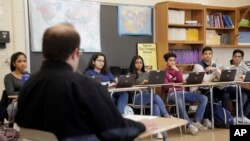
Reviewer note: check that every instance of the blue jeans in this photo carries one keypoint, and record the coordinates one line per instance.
(121, 100)
(245, 98)
(190, 97)
(159, 108)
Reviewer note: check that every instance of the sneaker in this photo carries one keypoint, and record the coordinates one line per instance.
(159, 136)
(207, 123)
(240, 119)
(199, 126)
(192, 129)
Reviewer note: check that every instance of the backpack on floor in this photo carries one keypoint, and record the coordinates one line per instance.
(222, 117)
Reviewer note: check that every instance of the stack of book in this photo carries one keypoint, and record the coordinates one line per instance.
(212, 38)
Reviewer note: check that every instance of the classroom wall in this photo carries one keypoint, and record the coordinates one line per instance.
(12, 19)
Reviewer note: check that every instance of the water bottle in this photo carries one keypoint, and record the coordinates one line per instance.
(25, 77)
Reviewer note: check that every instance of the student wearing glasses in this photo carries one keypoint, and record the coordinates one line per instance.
(97, 67)
(237, 63)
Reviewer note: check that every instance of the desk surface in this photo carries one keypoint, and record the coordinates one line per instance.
(163, 123)
(13, 96)
(134, 88)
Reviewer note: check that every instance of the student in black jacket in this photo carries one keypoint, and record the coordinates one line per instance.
(68, 104)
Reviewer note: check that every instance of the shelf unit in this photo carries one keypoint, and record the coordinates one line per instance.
(243, 13)
(215, 23)
(164, 24)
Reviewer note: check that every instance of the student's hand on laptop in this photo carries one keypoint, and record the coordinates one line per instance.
(210, 69)
(240, 77)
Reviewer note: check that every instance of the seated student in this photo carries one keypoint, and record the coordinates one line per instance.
(159, 108)
(212, 72)
(174, 75)
(13, 81)
(74, 107)
(242, 68)
(97, 67)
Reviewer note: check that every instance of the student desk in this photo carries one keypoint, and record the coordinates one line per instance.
(163, 124)
(134, 88)
(183, 85)
(152, 91)
(211, 85)
(13, 96)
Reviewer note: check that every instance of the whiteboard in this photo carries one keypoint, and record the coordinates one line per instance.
(85, 16)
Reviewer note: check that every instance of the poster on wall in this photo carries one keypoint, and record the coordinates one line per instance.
(148, 52)
(83, 15)
(134, 20)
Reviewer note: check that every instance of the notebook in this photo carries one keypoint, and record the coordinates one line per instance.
(195, 78)
(227, 75)
(156, 77)
(247, 77)
(125, 81)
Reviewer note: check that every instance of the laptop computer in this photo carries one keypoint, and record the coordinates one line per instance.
(125, 81)
(156, 77)
(195, 78)
(247, 77)
(227, 75)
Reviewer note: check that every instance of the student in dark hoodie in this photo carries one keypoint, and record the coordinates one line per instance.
(173, 75)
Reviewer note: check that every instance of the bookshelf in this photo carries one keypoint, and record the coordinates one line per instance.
(179, 26)
(243, 14)
(220, 26)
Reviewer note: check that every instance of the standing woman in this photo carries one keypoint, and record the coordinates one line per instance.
(13, 80)
(159, 108)
(97, 67)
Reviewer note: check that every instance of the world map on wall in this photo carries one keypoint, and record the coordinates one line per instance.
(85, 16)
(134, 20)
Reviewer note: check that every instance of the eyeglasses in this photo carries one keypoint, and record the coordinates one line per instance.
(98, 60)
(80, 51)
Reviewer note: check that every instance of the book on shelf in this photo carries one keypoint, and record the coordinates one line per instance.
(212, 38)
(244, 38)
(192, 34)
(219, 20)
(193, 55)
(225, 39)
(176, 16)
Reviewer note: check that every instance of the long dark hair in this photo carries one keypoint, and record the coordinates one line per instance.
(91, 66)
(14, 58)
(132, 68)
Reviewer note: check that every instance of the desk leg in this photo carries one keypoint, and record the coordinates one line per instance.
(237, 104)
(176, 103)
(241, 104)
(141, 102)
(165, 136)
(151, 100)
(212, 108)
(177, 108)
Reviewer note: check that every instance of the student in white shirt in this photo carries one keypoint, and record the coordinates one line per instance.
(241, 67)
